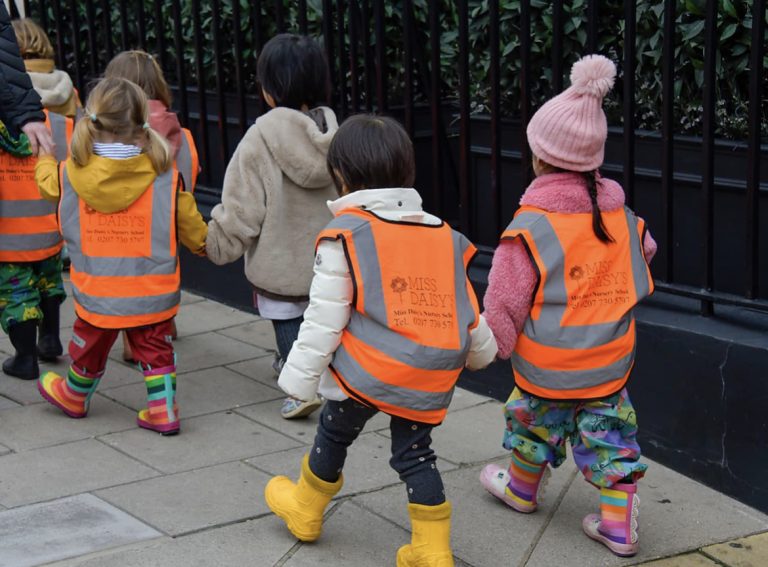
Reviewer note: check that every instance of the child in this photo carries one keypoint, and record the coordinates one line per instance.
(565, 278)
(55, 87)
(141, 68)
(392, 310)
(121, 212)
(275, 190)
(31, 289)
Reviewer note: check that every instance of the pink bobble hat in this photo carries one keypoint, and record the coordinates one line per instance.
(569, 130)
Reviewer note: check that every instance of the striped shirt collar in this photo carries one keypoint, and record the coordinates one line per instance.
(116, 150)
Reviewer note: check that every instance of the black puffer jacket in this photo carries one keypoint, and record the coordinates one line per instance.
(19, 103)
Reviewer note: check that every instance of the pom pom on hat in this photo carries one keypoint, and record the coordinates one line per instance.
(593, 75)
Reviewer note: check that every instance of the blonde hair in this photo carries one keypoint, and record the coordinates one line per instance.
(32, 39)
(119, 107)
(141, 68)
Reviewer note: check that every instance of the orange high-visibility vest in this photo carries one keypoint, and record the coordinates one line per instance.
(125, 266)
(409, 333)
(579, 339)
(187, 161)
(29, 231)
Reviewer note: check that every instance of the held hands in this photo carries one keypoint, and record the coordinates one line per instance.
(40, 139)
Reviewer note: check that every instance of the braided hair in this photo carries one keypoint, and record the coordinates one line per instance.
(590, 177)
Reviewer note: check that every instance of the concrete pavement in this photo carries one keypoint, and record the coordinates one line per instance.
(100, 492)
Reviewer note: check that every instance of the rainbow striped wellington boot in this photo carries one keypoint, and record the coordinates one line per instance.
(520, 487)
(162, 414)
(71, 394)
(616, 524)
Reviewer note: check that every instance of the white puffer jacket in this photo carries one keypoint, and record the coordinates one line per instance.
(330, 301)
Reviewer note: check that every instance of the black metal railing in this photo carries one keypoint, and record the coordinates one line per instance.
(474, 164)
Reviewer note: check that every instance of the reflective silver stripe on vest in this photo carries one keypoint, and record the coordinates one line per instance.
(59, 132)
(125, 306)
(639, 265)
(464, 307)
(372, 328)
(368, 258)
(29, 242)
(361, 381)
(401, 348)
(26, 208)
(161, 262)
(184, 163)
(572, 379)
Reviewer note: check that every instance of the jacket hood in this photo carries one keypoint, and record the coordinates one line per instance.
(166, 123)
(111, 185)
(567, 193)
(398, 204)
(298, 145)
(54, 87)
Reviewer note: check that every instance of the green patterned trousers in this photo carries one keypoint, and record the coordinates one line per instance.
(23, 284)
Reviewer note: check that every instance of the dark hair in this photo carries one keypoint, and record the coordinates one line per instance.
(371, 152)
(590, 177)
(292, 69)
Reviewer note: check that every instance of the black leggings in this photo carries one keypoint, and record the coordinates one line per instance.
(412, 455)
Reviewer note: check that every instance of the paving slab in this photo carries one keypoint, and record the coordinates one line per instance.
(259, 333)
(255, 544)
(258, 369)
(352, 536)
(750, 551)
(22, 392)
(202, 392)
(208, 350)
(367, 467)
(303, 430)
(36, 534)
(43, 425)
(687, 560)
(205, 316)
(268, 414)
(677, 514)
(7, 403)
(64, 470)
(204, 441)
(187, 298)
(484, 531)
(191, 501)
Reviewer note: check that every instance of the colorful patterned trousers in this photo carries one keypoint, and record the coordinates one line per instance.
(602, 434)
(22, 285)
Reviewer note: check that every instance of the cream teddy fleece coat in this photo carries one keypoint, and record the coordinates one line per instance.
(273, 203)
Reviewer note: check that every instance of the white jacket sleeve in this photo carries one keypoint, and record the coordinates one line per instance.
(330, 306)
(483, 349)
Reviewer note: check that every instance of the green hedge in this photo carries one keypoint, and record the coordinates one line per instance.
(734, 33)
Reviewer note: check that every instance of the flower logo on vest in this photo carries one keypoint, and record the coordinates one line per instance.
(399, 286)
(576, 273)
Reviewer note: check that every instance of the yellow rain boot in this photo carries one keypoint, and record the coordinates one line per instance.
(301, 505)
(430, 537)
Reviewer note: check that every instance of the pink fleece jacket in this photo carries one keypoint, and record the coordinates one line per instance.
(513, 278)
